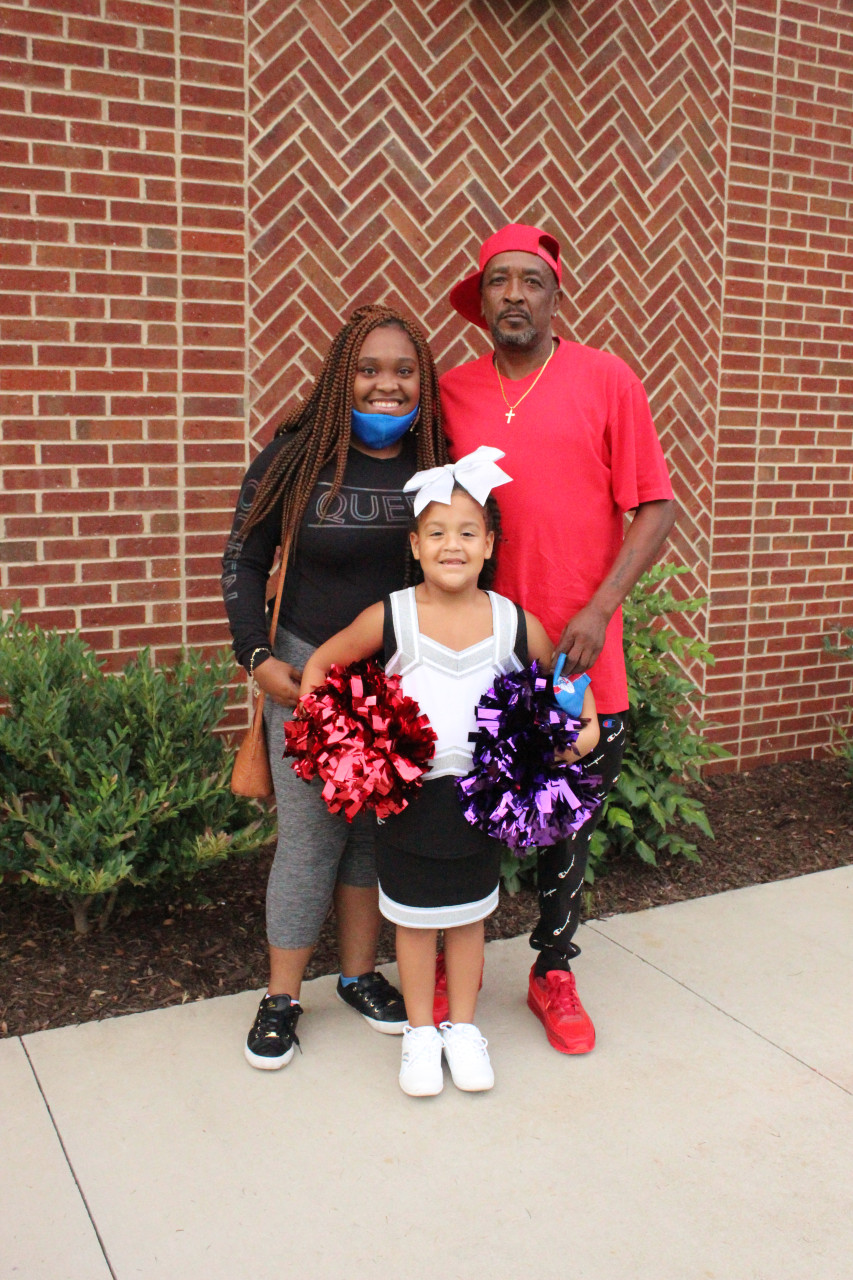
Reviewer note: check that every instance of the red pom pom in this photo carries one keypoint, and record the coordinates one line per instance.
(364, 737)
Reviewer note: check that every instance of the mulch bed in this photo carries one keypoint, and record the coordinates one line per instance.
(208, 939)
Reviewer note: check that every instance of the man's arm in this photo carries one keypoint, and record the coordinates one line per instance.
(583, 635)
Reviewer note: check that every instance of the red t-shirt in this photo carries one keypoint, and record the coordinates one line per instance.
(581, 449)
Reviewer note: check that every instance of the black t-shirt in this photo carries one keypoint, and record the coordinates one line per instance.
(349, 553)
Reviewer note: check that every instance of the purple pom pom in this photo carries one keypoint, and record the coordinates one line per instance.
(516, 790)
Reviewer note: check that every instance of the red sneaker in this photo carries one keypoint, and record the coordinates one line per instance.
(440, 1006)
(555, 1001)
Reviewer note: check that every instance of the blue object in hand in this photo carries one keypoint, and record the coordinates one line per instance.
(568, 694)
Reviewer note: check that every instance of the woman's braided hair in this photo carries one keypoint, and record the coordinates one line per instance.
(319, 430)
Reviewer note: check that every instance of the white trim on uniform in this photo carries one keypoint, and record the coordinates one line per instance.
(437, 917)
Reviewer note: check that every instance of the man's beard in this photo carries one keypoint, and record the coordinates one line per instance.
(518, 339)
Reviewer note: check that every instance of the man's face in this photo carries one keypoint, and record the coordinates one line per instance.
(519, 298)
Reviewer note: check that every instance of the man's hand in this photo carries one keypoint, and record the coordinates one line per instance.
(582, 640)
(279, 681)
(583, 635)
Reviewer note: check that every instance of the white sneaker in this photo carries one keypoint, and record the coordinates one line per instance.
(420, 1071)
(465, 1050)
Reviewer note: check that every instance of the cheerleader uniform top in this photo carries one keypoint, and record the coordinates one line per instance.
(447, 685)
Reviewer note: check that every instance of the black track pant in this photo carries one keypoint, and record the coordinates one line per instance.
(561, 866)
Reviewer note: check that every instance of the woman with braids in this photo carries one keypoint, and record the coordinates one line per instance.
(332, 480)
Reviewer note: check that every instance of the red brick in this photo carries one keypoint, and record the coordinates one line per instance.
(213, 122)
(89, 282)
(70, 594)
(36, 575)
(70, 256)
(102, 184)
(73, 453)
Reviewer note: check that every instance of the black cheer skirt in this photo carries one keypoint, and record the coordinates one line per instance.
(435, 869)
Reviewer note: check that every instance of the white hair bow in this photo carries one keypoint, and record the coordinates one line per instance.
(477, 473)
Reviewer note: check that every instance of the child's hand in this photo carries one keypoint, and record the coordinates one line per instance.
(568, 694)
(581, 746)
(310, 682)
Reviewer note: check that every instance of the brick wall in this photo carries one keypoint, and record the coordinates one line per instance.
(781, 561)
(122, 227)
(194, 195)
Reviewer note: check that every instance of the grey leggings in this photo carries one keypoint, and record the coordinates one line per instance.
(316, 849)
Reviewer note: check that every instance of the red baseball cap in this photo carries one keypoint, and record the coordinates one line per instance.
(465, 296)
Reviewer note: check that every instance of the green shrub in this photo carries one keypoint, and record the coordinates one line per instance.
(113, 782)
(648, 808)
(667, 746)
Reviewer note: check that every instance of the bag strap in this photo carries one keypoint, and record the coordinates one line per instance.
(285, 553)
(259, 693)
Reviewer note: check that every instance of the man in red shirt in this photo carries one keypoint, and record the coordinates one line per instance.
(582, 450)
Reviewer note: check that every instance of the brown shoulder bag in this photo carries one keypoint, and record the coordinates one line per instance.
(251, 775)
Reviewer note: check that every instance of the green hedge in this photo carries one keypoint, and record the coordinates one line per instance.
(113, 782)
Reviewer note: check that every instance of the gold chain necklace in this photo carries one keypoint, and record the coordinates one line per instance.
(512, 407)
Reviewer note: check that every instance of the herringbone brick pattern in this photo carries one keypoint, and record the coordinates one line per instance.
(391, 138)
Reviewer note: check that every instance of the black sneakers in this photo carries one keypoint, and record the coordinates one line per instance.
(377, 1001)
(272, 1040)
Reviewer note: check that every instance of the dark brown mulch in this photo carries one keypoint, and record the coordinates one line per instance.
(776, 822)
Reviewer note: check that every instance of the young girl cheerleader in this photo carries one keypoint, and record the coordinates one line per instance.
(447, 638)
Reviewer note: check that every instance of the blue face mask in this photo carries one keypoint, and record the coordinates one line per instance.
(378, 430)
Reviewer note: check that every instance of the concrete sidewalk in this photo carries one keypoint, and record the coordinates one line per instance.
(707, 1136)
